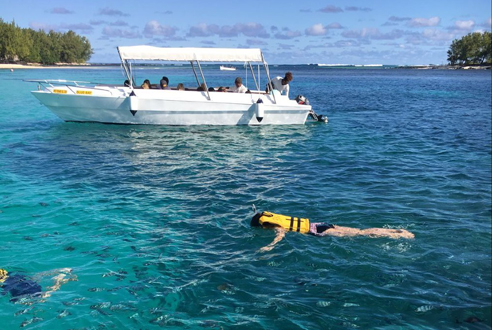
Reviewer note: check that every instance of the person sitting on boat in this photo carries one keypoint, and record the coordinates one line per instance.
(281, 84)
(20, 286)
(180, 87)
(146, 84)
(221, 89)
(238, 86)
(202, 88)
(283, 223)
(164, 83)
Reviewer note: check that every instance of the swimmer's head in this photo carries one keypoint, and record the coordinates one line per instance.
(3, 275)
(255, 222)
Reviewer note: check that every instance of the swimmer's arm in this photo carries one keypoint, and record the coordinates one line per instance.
(280, 235)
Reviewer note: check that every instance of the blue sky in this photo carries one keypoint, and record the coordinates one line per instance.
(289, 32)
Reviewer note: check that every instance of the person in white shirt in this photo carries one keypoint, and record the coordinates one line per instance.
(238, 86)
(281, 84)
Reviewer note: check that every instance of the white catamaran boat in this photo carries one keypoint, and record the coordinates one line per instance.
(77, 101)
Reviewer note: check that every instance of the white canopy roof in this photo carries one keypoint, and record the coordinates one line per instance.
(150, 53)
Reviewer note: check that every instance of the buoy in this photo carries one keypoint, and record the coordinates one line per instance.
(133, 103)
(260, 111)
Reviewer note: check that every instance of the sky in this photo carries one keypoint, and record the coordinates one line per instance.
(410, 32)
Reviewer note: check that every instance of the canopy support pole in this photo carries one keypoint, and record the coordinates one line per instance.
(203, 78)
(194, 71)
(128, 74)
(269, 80)
(253, 74)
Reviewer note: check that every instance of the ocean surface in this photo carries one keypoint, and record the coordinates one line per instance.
(154, 221)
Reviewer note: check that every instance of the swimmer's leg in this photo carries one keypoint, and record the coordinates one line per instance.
(59, 280)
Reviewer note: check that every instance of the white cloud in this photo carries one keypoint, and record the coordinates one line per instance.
(98, 22)
(287, 34)
(398, 19)
(202, 30)
(424, 22)
(353, 8)
(334, 25)
(61, 10)
(316, 30)
(373, 33)
(80, 27)
(346, 43)
(111, 12)
(464, 25)
(119, 33)
(119, 23)
(437, 35)
(154, 28)
(331, 9)
(256, 42)
(42, 26)
(254, 30)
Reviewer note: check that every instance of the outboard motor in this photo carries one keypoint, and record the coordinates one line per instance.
(301, 99)
(317, 117)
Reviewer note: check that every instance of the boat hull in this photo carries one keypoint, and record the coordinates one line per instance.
(158, 107)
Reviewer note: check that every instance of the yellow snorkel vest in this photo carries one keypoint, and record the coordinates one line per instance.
(288, 223)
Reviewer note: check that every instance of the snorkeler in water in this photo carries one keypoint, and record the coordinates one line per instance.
(283, 223)
(19, 285)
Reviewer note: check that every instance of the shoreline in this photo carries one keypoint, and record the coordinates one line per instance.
(38, 66)
(445, 67)
(13, 67)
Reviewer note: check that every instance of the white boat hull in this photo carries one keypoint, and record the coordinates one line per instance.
(170, 107)
(227, 68)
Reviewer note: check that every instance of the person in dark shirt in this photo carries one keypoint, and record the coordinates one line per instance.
(19, 285)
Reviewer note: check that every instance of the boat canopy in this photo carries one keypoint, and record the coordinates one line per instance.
(150, 53)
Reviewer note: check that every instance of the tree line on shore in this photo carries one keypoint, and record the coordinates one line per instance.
(27, 45)
(472, 49)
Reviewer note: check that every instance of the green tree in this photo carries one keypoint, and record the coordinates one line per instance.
(34, 55)
(474, 48)
(18, 44)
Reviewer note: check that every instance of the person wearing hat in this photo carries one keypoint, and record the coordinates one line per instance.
(164, 83)
(19, 285)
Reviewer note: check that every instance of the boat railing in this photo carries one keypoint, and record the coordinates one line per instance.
(69, 84)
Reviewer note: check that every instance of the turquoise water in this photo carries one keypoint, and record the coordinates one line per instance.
(154, 221)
